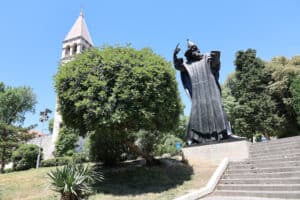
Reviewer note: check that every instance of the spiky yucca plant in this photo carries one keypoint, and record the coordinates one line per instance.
(74, 181)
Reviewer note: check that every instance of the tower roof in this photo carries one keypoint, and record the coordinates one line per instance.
(79, 29)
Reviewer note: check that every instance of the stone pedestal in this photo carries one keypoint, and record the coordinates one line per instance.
(213, 154)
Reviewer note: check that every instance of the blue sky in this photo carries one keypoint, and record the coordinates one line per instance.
(32, 32)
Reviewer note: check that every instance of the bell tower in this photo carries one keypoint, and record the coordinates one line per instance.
(76, 41)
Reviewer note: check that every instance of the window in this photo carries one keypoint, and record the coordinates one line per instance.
(74, 49)
(67, 51)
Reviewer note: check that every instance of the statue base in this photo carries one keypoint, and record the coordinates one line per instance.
(213, 153)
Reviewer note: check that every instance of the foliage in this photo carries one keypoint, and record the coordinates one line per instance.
(119, 89)
(181, 129)
(74, 181)
(158, 143)
(283, 72)
(258, 137)
(295, 91)
(229, 100)
(106, 147)
(58, 161)
(66, 142)
(50, 125)
(80, 157)
(15, 102)
(25, 157)
(168, 144)
(255, 110)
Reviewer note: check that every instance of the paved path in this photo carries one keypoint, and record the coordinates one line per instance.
(238, 198)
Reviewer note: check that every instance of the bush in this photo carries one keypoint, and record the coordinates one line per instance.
(8, 171)
(168, 145)
(56, 161)
(66, 142)
(106, 147)
(74, 181)
(258, 137)
(25, 157)
(80, 157)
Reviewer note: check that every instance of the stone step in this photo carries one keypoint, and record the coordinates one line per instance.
(262, 170)
(278, 141)
(261, 187)
(263, 165)
(268, 144)
(275, 148)
(295, 174)
(259, 193)
(275, 158)
(270, 153)
(260, 181)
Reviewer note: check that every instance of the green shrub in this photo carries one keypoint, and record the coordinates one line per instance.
(168, 145)
(66, 142)
(258, 137)
(8, 171)
(80, 157)
(56, 161)
(106, 147)
(25, 157)
(74, 181)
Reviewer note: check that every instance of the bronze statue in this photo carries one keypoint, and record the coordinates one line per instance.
(199, 75)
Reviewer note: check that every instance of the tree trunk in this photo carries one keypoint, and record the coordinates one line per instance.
(2, 161)
(150, 160)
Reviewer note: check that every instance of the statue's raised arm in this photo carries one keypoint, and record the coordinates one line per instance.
(178, 62)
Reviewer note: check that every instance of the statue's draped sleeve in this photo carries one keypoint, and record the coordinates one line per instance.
(215, 66)
(186, 81)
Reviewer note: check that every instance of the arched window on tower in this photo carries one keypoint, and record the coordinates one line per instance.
(67, 51)
(74, 49)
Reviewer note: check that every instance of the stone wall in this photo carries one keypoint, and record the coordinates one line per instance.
(46, 143)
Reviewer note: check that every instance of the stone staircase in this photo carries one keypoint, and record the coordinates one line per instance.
(272, 171)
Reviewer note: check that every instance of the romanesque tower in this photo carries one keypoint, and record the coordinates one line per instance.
(76, 41)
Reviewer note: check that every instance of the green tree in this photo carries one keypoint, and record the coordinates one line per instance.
(295, 90)
(121, 89)
(229, 100)
(255, 110)
(66, 142)
(283, 72)
(14, 103)
(25, 156)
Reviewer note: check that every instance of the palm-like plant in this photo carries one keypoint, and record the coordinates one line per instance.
(74, 181)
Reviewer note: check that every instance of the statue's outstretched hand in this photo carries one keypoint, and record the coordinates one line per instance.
(177, 49)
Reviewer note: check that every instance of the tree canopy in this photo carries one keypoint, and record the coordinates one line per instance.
(285, 91)
(118, 88)
(255, 110)
(15, 102)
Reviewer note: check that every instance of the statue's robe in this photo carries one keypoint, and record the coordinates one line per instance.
(207, 116)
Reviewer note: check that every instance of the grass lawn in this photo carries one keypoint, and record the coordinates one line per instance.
(122, 183)
(25, 185)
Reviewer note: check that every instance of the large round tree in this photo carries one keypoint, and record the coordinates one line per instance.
(119, 89)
